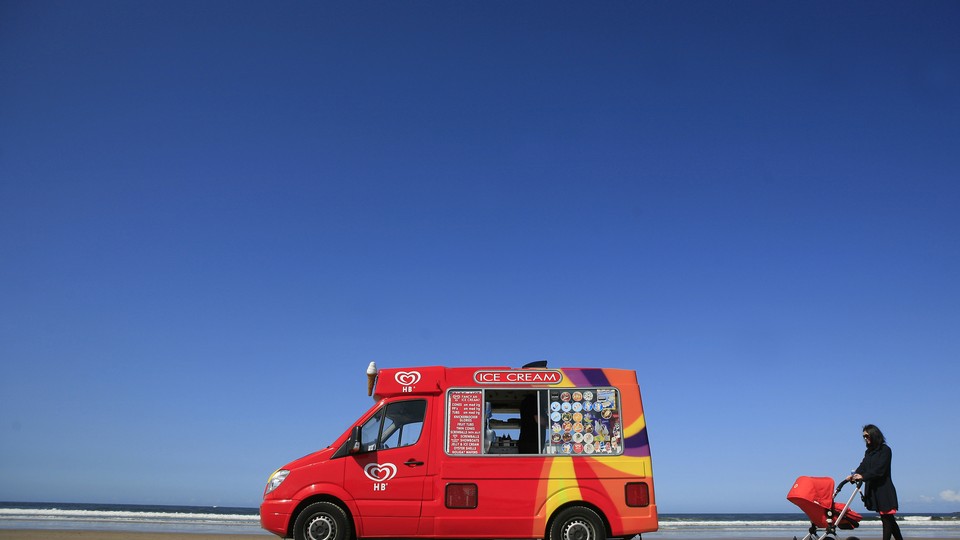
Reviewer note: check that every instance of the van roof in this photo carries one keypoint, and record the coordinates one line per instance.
(437, 379)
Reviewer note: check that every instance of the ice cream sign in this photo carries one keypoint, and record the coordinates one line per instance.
(518, 376)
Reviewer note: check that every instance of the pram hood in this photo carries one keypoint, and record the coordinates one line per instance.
(814, 495)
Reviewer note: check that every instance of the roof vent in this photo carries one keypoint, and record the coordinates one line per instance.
(537, 364)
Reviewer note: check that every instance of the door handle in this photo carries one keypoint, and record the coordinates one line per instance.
(413, 463)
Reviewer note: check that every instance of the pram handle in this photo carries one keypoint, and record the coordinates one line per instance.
(845, 482)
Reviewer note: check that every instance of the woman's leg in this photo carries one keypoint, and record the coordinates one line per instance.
(890, 527)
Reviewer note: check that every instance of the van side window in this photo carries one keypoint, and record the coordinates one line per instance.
(403, 424)
(398, 424)
(564, 421)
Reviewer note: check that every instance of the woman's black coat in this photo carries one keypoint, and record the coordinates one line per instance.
(879, 495)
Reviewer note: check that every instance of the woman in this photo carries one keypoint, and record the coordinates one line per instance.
(879, 494)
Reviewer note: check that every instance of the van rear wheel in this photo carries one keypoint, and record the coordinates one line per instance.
(577, 523)
(322, 521)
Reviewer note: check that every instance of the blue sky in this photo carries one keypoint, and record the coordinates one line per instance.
(213, 215)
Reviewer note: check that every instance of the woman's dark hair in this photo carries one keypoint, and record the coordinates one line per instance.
(876, 436)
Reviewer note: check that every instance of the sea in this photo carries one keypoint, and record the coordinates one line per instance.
(246, 521)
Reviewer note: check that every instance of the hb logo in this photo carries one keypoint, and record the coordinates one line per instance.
(380, 472)
(407, 378)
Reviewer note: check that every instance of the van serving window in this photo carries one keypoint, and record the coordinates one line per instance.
(558, 421)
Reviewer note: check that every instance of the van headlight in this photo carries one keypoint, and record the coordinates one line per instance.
(275, 480)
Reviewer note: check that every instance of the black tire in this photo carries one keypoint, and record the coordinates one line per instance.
(577, 523)
(322, 521)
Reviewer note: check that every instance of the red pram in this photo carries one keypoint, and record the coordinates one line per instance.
(815, 496)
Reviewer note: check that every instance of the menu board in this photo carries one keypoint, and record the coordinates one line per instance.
(465, 415)
(585, 421)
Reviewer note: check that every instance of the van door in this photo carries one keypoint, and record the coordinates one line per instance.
(386, 478)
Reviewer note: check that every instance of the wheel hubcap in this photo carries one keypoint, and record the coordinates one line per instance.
(322, 528)
(577, 530)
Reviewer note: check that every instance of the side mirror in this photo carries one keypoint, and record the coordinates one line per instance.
(353, 443)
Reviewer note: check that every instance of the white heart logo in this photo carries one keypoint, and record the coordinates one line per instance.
(407, 378)
(380, 472)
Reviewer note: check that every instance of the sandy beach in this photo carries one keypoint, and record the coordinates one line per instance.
(39, 534)
(35, 534)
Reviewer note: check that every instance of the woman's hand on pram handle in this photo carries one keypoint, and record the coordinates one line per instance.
(852, 479)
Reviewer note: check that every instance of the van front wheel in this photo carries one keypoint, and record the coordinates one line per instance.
(322, 521)
(577, 523)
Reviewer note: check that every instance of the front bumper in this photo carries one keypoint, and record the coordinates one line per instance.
(275, 516)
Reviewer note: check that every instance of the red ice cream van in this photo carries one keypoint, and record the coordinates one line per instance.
(489, 452)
